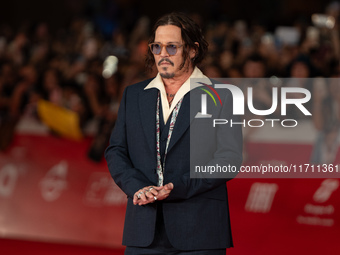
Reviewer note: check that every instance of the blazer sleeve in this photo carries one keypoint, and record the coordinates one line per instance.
(229, 146)
(128, 178)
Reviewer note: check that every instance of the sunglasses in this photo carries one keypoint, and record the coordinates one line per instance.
(171, 48)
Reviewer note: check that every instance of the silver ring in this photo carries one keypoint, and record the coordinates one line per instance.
(140, 193)
(155, 198)
(150, 189)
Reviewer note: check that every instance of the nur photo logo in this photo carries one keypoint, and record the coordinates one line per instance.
(282, 94)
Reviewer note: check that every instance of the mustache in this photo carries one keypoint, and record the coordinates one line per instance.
(166, 60)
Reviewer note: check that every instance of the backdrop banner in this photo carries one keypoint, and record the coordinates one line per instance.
(50, 191)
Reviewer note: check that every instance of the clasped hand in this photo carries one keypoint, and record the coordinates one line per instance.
(150, 194)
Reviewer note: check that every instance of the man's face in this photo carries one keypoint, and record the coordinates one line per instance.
(169, 66)
(254, 69)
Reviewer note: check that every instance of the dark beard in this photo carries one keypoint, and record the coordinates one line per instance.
(172, 75)
(167, 75)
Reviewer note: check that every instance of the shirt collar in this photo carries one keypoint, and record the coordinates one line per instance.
(157, 83)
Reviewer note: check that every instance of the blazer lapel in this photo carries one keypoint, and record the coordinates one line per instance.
(147, 107)
(189, 108)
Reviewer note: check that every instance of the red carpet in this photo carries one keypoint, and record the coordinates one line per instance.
(16, 247)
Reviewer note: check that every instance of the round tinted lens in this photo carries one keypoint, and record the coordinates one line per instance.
(171, 49)
(156, 48)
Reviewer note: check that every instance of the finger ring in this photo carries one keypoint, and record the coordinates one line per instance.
(155, 198)
(150, 189)
(140, 193)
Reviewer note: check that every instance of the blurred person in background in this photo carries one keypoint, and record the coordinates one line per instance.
(106, 116)
(94, 93)
(254, 71)
(17, 50)
(326, 119)
(116, 47)
(23, 94)
(254, 67)
(300, 70)
(167, 211)
(51, 87)
(7, 121)
(226, 61)
(212, 70)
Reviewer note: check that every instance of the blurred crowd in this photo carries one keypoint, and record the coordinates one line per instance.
(65, 66)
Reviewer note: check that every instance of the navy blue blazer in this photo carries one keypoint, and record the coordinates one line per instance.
(196, 214)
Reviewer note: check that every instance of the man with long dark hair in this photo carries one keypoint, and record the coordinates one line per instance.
(149, 153)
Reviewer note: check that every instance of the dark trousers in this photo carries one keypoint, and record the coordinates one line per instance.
(162, 246)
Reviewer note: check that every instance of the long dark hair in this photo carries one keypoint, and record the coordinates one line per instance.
(190, 32)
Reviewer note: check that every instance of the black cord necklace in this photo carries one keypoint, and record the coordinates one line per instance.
(172, 96)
